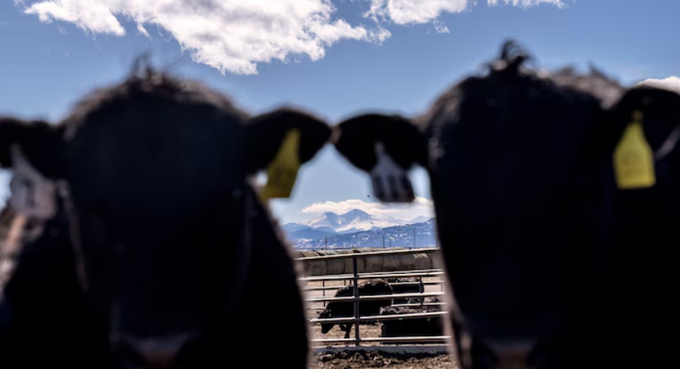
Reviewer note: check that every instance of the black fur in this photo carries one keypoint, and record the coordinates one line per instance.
(405, 288)
(640, 261)
(515, 162)
(344, 309)
(44, 308)
(158, 173)
(412, 327)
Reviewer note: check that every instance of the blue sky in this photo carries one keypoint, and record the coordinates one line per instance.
(339, 60)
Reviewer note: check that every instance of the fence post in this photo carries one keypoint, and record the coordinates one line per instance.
(356, 300)
(421, 288)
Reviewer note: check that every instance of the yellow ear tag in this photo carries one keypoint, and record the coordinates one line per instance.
(633, 158)
(282, 171)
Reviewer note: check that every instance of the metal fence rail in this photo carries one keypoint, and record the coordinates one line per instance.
(363, 254)
(356, 318)
(395, 305)
(379, 317)
(419, 339)
(371, 276)
(377, 297)
(393, 284)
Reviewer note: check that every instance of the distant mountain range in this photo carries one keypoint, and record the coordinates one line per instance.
(357, 228)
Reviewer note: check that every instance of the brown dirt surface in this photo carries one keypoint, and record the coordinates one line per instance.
(376, 359)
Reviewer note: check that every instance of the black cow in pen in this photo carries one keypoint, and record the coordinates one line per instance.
(406, 285)
(411, 327)
(345, 309)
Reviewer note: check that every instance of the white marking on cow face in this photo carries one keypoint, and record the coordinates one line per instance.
(390, 181)
(32, 195)
(512, 355)
(6, 270)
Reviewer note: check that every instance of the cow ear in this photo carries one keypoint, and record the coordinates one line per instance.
(281, 141)
(386, 147)
(265, 135)
(645, 123)
(38, 142)
(658, 109)
(32, 150)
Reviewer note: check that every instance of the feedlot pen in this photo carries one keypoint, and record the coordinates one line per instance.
(320, 290)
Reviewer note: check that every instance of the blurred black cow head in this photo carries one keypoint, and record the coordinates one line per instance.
(157, 177)
(640, 263)
(516, 163)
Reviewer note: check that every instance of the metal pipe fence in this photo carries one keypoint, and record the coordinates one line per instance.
(371, 276)
(327, 288)
(356, 298)
(393, 252)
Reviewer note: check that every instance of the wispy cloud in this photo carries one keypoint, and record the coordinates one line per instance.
(527, 3)
(419, 207)
(440, 27)
(407, 12)
(671, 83)
(234, 36)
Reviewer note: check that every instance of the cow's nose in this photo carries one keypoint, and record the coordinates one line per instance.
(153, 352)
(512, 355)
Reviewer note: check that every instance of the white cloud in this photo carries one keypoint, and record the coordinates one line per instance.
(404, 12)
(143, 30)
(671, 83)
(440, 27)
(234, 36)
(528, 3)
(407, 12)
(419, 207)
(229, 35)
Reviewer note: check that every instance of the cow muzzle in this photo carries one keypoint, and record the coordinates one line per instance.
(511, 355)
(151, 352)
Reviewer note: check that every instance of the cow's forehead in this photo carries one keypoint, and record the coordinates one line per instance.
(481, 95)
(157, 108)
(137, 97)
(153, 135)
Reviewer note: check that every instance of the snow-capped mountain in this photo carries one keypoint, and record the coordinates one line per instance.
(359, 228)
(420, 219)
(353, 221)
(396, 236)
(295, 231)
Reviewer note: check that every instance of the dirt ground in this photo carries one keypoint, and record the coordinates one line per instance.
(375, 359)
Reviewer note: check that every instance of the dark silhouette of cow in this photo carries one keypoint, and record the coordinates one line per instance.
(163, 243)
(414, 286)
(345, 309)
(43, 307)
(411, 327)
(515, 159)
(640, 259)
